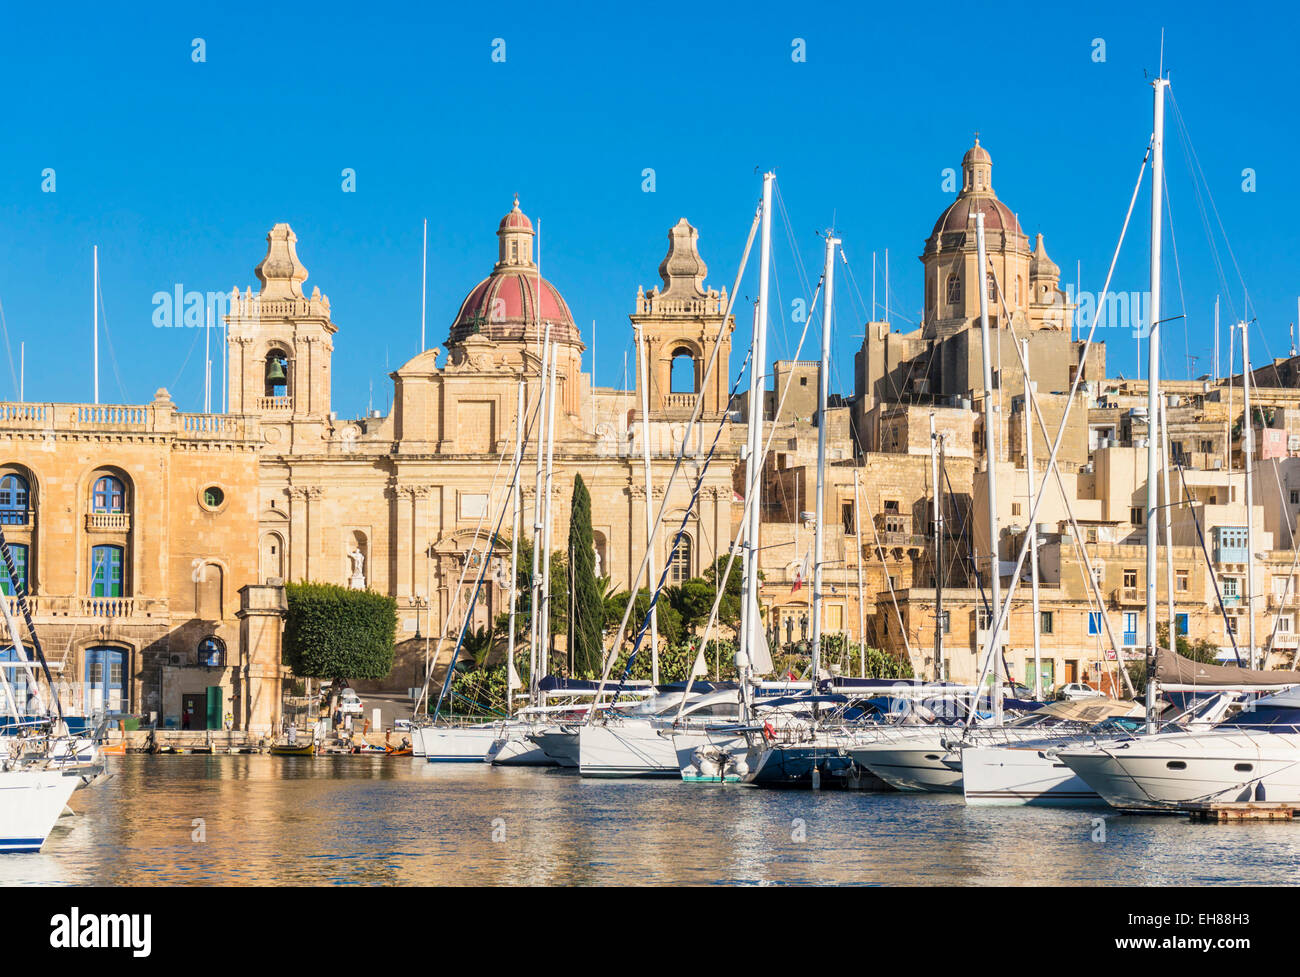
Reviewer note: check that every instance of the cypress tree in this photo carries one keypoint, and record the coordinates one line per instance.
(588, 623)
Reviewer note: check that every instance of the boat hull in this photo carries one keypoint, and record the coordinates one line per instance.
(1168, 771)
(30, 803)
(913, 765)
(513, 748)
(792, 765)
(628, 749)
(560, 744)
(457, 744)
(1011, 776)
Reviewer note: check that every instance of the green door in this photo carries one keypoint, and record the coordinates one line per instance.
(1047, 668)
(214, 707)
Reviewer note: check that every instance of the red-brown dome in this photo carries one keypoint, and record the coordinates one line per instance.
(503, 306)
(997, 215)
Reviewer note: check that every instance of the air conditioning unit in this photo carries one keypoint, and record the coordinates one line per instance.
(175, 659)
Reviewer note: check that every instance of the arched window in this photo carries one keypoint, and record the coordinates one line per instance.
(108, 495)
(19, 552)
(106, 571)
(954, 289)
(13, 500)
(277, 374)
(272, 557)
(680, 561)
(683, 371)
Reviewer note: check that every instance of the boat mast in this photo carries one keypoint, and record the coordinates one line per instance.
(990, 474)
(94, 299)
(1033, 525)
(1248, 466)
(535, 662)
(862, 607)
(512, 676)
(545, 634)
(936, 523)
(652, 577)
(823, 394)
(1153, 388)
(754, 467)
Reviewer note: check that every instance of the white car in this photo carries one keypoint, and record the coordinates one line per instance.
(1077, 690)
(350, 703)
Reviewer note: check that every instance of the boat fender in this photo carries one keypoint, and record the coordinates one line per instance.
(739, 767)
(816, 778)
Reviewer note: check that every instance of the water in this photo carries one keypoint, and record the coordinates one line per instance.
(398, 821)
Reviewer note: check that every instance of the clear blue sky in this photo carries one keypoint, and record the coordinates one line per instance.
(177, 170)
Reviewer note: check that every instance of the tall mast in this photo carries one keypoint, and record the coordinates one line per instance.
(862, 607)
(535, 666)
(1033, 525)
(990, 473)
(936, 524)
(1153, 387)
(512, 676)
(1248, 465)
(424, 282)
(95, 305)
(823, 395)
(652, 577)
(549, 519)
(757, 385)
(207, 360)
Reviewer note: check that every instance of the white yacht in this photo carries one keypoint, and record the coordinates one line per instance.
(644, 746)
(1032, 772)
(31, 800)
(1253, 756)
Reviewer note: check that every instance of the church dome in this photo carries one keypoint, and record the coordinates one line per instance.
(504, 307)
(977, 196)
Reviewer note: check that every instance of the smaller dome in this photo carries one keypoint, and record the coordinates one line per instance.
(516, 220)
(976, 154)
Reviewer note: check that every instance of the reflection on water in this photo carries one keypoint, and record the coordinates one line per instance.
(397, 821)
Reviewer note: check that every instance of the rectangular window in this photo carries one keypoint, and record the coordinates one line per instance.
(1230, 585)
(1295, 496)
(985, 620)
(1182, 623)
(1180, 581)
(846, 516)
(106, 571)
(1135, 515)
(947, 622)
(1015, 508)
(19, 552)
(1094, 622)
(1045, 622)
(1130, 579)
(1284, 625)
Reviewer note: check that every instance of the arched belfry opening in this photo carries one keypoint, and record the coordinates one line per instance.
(681, 322)
(276, 374)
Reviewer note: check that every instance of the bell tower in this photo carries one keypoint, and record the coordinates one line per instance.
(680, 323)
(279, 343)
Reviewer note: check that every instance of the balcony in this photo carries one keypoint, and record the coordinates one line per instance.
(108, 522)
(1128, 595)
(17, 518)
(1278, 602)
(47, 608)
(275, 405)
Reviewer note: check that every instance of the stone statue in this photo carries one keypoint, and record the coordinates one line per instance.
(595, 549)
(358, 579)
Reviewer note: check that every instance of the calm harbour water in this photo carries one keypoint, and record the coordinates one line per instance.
(398, 821)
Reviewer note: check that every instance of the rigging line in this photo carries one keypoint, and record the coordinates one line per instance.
(175, 384)
(1214, 207)
(1205, 550)
(460, 584)
(1182, 300)
(4, 327)
(1055, 469)
(749, 501)
(478, 584)
(108, 338)
(681, 455)
(1004, 611)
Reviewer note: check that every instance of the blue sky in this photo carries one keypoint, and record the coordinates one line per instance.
(177, 170)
